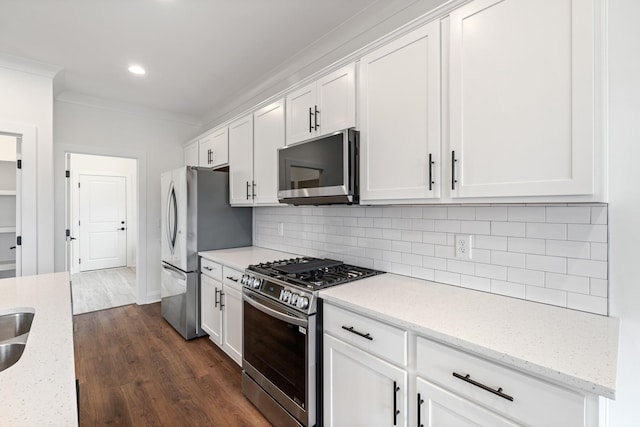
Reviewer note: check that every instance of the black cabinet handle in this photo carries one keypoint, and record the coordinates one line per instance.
(216, 298)
(310, 116)
(247, 190)
(221, 303)
(233, 279)
(120, 229)
(420, 402)
(253, 189)
(209, 156)
(498, 392)
(396, 411)
(431, 172)
(453, 170)
(362, 334)
(315, 117)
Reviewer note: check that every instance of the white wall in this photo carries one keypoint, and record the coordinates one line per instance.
(624, 198)
(154, 142)
(83, 164)
(27, 98)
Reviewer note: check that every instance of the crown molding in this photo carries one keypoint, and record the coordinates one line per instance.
(29, 66)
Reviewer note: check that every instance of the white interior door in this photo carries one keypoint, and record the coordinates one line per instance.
(103, 237)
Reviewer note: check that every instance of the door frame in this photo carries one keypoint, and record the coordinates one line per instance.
(27, 223)
(60, 154)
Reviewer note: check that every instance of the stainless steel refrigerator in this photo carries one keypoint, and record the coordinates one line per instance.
(196, 216)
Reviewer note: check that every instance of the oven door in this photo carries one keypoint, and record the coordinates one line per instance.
(279, 353)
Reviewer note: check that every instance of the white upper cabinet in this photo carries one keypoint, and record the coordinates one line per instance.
(214, 148)
(268, 136)
(191, 154)
(399, 115)
(324, 106)
(241, 161)
(522, 98)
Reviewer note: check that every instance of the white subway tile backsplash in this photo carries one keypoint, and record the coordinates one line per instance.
(599, 251)
(527, 246)
(475, 227)
(569, 214)
(526, 214)
(547, 263)
(526, 277)
(508, 259)
(590, 303)
(554, 254)
(567, 283)
(547, 296)
(509, 289)
(447, 226)
(589, 268)
(474, 282)
(547, 231)
(491, 271)
(588, 233)
(513, 229)
(491, 213)
(599, 287)
(490, 242)
(599, 215)
(569, 249)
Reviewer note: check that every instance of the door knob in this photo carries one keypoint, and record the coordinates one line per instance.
(12, 247)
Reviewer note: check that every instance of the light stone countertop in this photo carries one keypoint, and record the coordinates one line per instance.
(241, 258)
(40, 388)
(569, 347)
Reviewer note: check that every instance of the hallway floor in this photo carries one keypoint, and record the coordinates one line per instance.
(102, 289)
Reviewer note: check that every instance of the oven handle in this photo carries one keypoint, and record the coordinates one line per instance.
(252, 300)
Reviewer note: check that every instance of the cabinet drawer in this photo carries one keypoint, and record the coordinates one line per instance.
(371, 335)
(231, 277)
(535, 402)
(211, 269)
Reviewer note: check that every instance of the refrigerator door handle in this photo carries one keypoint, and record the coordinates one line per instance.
(172, 218)
(174, 271)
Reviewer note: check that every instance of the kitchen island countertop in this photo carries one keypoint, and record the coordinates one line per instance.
(40, 388)
(568, 347)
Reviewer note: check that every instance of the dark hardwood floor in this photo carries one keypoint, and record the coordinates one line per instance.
(135, 370)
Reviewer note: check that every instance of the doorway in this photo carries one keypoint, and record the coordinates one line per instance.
(102, 224)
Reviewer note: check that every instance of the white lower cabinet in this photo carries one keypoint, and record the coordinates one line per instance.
(438, 407)
(361, 389)
(366, 376)
(221, 307)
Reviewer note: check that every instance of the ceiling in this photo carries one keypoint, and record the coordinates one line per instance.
(199, 54)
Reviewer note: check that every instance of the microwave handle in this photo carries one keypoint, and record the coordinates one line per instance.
(251, 300)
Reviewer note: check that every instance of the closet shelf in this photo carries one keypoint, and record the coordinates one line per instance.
(7, 192)
(7, 229)
(7, 265)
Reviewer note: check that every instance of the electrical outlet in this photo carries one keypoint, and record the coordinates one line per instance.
(281, 229)
(463, 246)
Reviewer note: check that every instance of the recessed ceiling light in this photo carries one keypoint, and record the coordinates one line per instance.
(136, 69)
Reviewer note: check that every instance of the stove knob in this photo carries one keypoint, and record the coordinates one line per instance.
(294, 299)
(244, 279)
(285, 296)
(256, 283)
(303, 302)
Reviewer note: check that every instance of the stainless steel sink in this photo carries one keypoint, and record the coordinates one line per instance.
(10, 353)
(15, 324)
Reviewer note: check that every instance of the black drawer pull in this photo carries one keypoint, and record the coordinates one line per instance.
(396, 411)
(232, 278)
(353, 331)
(420, 402)
(498, 392)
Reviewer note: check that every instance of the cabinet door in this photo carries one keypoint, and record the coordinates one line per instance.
(301, 123)
(438, 407)
(268, 136)
(220, 147)
(232, 323)
(521, 106)
(211, 316)
(241, 161)
(191, 154)
(400, 118)
(205, 151)
(360, 389)
(336, 100)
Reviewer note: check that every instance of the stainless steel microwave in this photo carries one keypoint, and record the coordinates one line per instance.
(320, 171)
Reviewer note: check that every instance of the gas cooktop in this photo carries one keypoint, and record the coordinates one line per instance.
(312, 273)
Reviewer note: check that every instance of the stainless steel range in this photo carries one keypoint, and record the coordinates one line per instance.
(281, 331)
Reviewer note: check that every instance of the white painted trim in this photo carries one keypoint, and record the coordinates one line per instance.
(27, 224)
(142, 296)
(29, 66)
